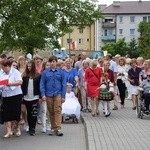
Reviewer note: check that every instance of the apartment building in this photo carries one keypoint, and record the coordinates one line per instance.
(80, 38)
(121, 20)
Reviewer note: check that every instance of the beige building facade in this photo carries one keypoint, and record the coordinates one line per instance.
(79, 39)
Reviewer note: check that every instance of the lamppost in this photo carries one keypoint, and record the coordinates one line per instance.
(69, 44)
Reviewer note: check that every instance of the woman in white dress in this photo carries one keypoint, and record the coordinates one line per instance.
(71, 106)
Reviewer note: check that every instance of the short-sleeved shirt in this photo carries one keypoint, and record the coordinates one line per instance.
(70, 76)
(8, 91)
(134, 75)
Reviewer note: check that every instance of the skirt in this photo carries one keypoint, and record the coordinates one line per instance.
(12, 108)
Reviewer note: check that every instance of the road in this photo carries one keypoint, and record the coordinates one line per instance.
(73, 139)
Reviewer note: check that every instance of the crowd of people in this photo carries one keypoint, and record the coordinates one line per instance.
(42, 91)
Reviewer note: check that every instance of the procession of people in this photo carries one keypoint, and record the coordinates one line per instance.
(43, 91)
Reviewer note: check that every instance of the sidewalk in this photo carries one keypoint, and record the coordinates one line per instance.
(121, 131)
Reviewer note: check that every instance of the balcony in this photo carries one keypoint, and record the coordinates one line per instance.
(108, 24)
(109, 38)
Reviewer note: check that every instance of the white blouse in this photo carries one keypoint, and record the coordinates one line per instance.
(13, 76)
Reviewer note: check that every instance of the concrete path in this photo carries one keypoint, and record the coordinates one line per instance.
(121, 131)
(73, 139)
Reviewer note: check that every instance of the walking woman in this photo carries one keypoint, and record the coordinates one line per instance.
(122, 76)
(133, 77)
(31, 92)
(92, 79)
(12, 96)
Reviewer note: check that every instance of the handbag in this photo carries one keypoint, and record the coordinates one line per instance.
(105, 94)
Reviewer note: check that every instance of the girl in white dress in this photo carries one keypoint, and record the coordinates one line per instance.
(71, 106)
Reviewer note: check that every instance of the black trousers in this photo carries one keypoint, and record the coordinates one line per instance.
(146, 100)
(32, 108)
(122, 90)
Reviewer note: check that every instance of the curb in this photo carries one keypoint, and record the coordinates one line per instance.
(90, 142)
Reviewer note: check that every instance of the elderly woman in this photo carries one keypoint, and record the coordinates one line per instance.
(92, 79)
(133, 77)
(146, 67)
(81, 73)
(71, 73)
(145, 85)
(12, 96)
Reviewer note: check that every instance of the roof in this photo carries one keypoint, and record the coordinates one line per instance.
(128, 7)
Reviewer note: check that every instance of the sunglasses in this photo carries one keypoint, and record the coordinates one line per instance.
(148, 75)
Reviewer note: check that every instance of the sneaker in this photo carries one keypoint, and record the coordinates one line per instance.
(32, 133)
(59, 133)
(52, 132)
(39, 121)
(108, 114)
(43, 130)
(26, 128)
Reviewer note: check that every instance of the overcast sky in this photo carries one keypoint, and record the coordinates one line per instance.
(108, 2)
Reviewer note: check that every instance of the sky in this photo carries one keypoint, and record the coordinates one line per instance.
(108, 2)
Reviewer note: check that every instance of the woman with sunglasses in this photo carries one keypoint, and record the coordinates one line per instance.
(145, 85)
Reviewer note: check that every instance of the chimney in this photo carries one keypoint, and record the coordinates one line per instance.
(116, 3)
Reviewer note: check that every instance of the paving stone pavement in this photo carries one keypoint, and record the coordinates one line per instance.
(121, 131)
(73, 139)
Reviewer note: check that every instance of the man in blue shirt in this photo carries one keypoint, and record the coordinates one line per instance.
(53, 90)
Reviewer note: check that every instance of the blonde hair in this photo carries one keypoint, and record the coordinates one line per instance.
(94, 63)
(69, 60)
(122, 59)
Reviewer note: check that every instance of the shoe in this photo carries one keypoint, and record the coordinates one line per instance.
(52, 132)
(89, 110)
(59, 133)
(115, 108)
(146, 112)
(32, 133)
(93, 114)
(8, 135)
(18, 133)
(134, 108)
(43, 130)
(97, 113)
(26, 128)
(108, 114)
(39, 121)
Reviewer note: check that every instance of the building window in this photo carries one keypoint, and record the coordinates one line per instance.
(69, 41)
(132, 19)
(145, 19)
(120, 19)
(120, 31)
(148, 18)
(132, 32)
(80, 41)
(108, 32)
(81, 30)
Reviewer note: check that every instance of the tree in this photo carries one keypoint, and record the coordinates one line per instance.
(144, 39)
(133, 48)
(35, 24)
(120, 47)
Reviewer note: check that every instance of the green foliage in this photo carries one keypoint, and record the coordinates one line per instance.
(35, 24)
(120, 47)
(144, 39)
(133, 48)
